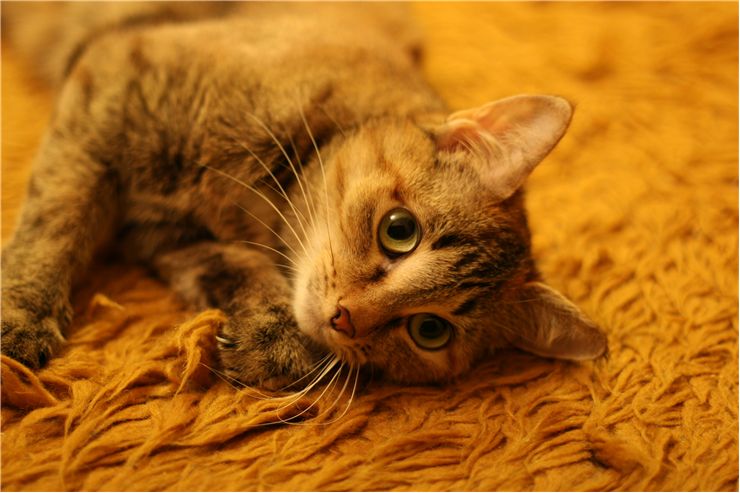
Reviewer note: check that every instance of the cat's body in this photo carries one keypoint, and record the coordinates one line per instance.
(216, 150)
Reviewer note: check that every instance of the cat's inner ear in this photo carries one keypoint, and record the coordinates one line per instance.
(544, 322)
(506, 139)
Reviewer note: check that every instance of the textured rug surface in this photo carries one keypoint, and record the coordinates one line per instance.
(634, 216)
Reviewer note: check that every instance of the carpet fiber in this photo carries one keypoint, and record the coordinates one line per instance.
(634, 216)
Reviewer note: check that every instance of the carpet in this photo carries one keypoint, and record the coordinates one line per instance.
(634, 217)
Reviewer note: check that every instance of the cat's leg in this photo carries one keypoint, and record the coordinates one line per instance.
(69, 209)
(261, 344)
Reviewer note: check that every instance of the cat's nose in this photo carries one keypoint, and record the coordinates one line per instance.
(342, 321)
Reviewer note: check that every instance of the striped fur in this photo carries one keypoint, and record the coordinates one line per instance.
(249, 159)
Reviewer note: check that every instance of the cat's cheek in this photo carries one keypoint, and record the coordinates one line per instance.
(306, 311)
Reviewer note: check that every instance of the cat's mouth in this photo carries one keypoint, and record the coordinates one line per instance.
(322, 317)
(339, 343)
(312, 321)
(332, 332)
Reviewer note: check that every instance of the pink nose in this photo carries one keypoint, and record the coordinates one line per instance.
(342, 321)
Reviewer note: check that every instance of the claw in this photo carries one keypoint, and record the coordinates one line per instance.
(228, 343)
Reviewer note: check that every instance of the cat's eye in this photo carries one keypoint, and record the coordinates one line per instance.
(399, 232)
(429, 331)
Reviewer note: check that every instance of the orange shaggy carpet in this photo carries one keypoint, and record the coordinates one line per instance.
(634, 216)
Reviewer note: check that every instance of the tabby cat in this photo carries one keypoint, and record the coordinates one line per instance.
(290, 166)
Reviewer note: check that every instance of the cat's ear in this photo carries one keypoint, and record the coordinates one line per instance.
(542, 321)
(507, 138)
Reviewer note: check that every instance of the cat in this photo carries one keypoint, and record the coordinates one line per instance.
(290, 166)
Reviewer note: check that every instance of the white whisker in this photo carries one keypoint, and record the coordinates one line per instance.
(331, 382)
(323, 174)
(289, 267)
(268, 248)
(237, 385)
(290, 162)
(351, 396)
(226, 378)
(349, 403)
(334, 120)
(282, 191)
(315, 367)
(310, 205)
(268, 228)
(263, 197)
(341, 393)
(297, 395)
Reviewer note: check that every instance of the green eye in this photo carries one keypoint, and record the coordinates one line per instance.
(399, 232)
(429, 331)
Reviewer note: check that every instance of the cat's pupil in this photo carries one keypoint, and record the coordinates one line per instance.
(398, 232)
(429, 332)
(431, 328)
(401, 228)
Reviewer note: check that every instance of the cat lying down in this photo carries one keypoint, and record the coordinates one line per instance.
(290, 166)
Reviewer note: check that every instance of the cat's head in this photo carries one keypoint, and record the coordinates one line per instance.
(422, 264)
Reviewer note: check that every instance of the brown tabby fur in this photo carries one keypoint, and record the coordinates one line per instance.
(173, 137)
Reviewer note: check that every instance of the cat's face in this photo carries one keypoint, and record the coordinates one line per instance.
(417, 260)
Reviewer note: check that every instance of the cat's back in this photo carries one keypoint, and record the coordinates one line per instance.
(54, 35)
(162, 103)
(200, 80)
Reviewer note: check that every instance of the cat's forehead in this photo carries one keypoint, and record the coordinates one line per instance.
(402, 159)
(398, 165)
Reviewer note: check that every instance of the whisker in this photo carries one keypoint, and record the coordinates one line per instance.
(268, 227)
(280, 186)
(314, 368)
(323, 366)
(289, 267)
(263, 197)
(311, 207)
(269, 248)
(334, 120)
(349, 403)
(323, 174)
(237, 385)
(351, 397)
(296, 212)
(354, 389)
(333, 379)
(226, 378)
(241, 387)
(330, 384)
(519, 302)
(339, 396)
(297, 395)
(468, 147)
(290, 162)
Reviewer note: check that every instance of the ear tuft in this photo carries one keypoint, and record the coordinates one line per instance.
(545, 323)
(507, 138)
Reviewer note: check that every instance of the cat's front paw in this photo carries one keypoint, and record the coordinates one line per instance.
(32, 323)
(265, 350)
(29, 339)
